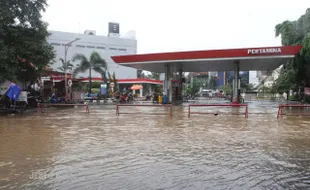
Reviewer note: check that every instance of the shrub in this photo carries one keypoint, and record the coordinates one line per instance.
(293, 98)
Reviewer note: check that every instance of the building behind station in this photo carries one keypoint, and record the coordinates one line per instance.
(106, 46)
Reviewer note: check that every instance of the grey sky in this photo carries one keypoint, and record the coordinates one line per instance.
(174, 25)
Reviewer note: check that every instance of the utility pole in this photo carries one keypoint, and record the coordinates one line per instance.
(65, 66)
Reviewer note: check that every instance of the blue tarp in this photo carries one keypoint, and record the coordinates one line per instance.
(13, 92)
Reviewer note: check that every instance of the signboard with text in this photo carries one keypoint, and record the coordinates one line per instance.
(264, 51)
(103, 89)
(23, 96)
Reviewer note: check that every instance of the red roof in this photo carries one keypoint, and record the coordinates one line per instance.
(205, 54)
(264, 58)
(128, 81)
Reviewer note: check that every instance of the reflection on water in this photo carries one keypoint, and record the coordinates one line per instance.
(78, 151)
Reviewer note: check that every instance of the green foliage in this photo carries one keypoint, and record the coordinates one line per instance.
(95, 90)
(65, 65)
(293, 98)
(158, 89)
(266, 89)
(197, 84)
(227, 89)
(78, 86)
(286, 80)
(244, 83)
(96, 85)
(296, 72)
(24, 51)
(212, 84)
(112, 79)
(140, 74)
(154, 76)
(95, 62)
(188, 91)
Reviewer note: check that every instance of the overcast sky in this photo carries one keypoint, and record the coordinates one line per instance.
(174, 25)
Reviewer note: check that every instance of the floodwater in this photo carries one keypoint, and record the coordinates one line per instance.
(69, 149)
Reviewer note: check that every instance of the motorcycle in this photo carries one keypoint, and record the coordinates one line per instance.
(186, 98)
(123, 98)
(155, 98)
(148, 97)
(130, 98)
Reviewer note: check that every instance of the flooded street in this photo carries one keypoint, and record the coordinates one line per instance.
(63, 150)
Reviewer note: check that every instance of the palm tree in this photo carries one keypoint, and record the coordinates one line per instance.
(140, 74)
(95, 62)
(154, 76)
(65, 66)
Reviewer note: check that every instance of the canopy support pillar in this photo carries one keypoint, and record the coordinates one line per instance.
(236, 83)
(180, 84)
(167, 83)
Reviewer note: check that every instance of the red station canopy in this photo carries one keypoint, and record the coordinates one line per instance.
(264, 58)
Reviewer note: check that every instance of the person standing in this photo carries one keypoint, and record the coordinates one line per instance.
(124, 89)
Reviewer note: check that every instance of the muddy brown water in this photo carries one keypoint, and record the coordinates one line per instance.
(68, 149)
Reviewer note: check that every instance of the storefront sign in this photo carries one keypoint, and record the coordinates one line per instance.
(264, 51)
(23, 96)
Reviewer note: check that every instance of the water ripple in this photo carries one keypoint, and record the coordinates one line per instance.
(147, 151)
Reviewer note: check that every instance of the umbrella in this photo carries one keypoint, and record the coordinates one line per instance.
(136, 87)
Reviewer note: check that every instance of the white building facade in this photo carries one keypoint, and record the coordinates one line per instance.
(88, 42)
(253, 78)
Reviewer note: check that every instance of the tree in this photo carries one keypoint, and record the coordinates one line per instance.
(212, 84)
(227, 89)
(24, 51)
(244, 82)
(297, 71)
(95, 63)
(140, 74)
(197, 84)
(175, 75)
(112, 78)
(65, 66)
(286, 80)
(154, 76)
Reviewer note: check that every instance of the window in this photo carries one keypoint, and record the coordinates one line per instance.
(80, 46)
(121, 49)
(113, 48)
(55, 44)
(90, 46)
(98, 47)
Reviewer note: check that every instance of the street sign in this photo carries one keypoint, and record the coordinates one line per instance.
(70, 83)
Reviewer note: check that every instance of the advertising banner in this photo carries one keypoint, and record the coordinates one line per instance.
(103, 89)
(23, 96)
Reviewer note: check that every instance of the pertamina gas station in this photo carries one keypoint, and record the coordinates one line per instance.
(245, 59)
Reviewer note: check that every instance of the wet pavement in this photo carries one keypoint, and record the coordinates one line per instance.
(68, 149)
